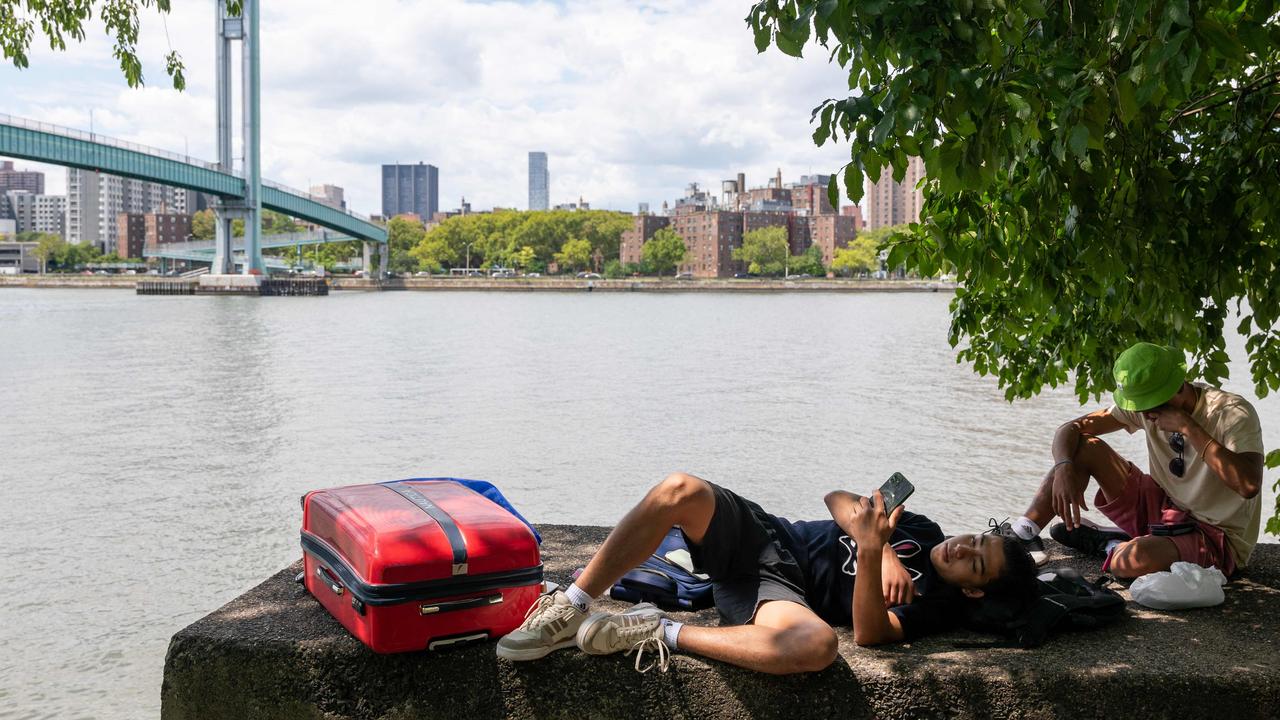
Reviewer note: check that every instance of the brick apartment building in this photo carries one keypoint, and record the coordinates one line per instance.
(642, 229)
(137, 231)
(713, 232)
(711, 236)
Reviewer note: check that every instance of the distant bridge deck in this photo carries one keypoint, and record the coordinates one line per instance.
(42, 142)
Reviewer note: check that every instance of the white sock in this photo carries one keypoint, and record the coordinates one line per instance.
(670, 631)
(1111, 545)
(1025, 528)
(578, 596)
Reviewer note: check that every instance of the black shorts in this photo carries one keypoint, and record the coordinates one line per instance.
(747, 563)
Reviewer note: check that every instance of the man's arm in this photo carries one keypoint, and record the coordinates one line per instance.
(895, 580)
(870, 528)
(1068, 497)
(1242, 472)
(1069, 435)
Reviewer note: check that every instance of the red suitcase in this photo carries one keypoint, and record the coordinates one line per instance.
(418, 564)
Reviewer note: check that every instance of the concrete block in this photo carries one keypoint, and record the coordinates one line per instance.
(275, 653)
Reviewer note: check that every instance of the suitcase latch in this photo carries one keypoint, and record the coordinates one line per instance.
(460, 569)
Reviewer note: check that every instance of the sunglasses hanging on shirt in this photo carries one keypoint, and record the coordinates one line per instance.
(1177, 466)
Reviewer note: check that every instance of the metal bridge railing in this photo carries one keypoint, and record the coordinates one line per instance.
(313, 198)
(50, 128)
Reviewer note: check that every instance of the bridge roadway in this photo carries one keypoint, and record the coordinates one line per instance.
(42, 142)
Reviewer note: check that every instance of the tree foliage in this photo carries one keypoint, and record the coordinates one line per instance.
(860, 256)
(808, 262)
(665, 251)
(1098, 173)
(574, 255)
(500, 238)
(764, 250)
(63, 20)
(56, 253)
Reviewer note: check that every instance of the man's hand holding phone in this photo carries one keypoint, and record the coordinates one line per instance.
(868, 524)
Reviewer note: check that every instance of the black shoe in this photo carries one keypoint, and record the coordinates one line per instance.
(1034, 546)
(1087, 537)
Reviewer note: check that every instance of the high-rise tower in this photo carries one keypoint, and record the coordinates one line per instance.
(539, 182)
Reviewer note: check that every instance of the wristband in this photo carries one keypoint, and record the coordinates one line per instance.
(1061, 462)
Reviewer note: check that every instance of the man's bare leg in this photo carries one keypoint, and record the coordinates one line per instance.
(785, 637)
(1147, 554)
(680, 499)
(1093, 459)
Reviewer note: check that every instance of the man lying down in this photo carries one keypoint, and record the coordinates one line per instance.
(779, 585)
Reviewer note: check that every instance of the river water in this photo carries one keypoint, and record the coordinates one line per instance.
(154, 448)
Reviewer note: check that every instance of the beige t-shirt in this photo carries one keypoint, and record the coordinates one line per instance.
(1232, 421)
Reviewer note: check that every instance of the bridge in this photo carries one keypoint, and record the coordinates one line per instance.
(237, 195)
(42, 142)
(203, 250)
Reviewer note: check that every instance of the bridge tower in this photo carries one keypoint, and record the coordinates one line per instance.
(249, 208)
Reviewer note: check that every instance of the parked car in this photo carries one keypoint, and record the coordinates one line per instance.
(684, 276)
(801, 276)
(741, 276)
(589, 276)
(533, 275)
(422, 273)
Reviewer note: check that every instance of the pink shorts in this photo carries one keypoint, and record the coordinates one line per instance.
(1144, 503)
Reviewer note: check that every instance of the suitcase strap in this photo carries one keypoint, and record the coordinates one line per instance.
(456, 540)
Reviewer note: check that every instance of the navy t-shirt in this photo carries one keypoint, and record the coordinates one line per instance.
(829, 559)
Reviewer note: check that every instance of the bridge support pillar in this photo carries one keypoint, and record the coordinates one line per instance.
(384, 257)
(249, 208)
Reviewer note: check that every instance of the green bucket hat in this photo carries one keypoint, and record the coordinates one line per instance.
(1147, 376)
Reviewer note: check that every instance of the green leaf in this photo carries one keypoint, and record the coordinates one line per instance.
(1079, 141)
(763, 36)
(1021, 108)
(853, 182)
(1180, 12)
(1125, 100)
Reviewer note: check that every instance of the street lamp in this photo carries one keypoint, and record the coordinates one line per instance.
(469, 258)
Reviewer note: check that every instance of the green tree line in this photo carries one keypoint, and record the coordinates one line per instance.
(525, 240)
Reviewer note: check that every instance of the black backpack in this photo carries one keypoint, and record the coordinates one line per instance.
(1063, 601)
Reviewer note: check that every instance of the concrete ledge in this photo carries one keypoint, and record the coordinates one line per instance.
(275, 653)
(702, 285)
(55, 280)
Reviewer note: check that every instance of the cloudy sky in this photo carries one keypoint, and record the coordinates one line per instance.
(631, 100)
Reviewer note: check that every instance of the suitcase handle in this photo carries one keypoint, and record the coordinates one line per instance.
(329, 579)
(467, 604)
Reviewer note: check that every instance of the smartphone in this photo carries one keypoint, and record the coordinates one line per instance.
(896, 490)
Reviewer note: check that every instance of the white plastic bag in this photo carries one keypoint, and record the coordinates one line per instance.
(1184, 585)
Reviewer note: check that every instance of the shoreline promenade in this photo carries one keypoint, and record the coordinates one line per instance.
(552, 284)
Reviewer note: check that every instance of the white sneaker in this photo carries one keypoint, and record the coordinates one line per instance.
(638, 629)
(551, 624)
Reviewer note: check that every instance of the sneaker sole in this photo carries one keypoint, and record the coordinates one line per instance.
(522, 654)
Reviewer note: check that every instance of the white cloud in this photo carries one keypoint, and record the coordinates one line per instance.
(630, 100)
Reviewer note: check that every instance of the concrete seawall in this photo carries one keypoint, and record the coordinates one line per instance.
(275, 653)
(665, 285)
(552, 284)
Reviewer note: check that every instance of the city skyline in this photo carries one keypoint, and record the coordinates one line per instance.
(333, 117)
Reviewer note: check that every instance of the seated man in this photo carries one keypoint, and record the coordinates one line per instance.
(779, 585)
(1200, 501)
